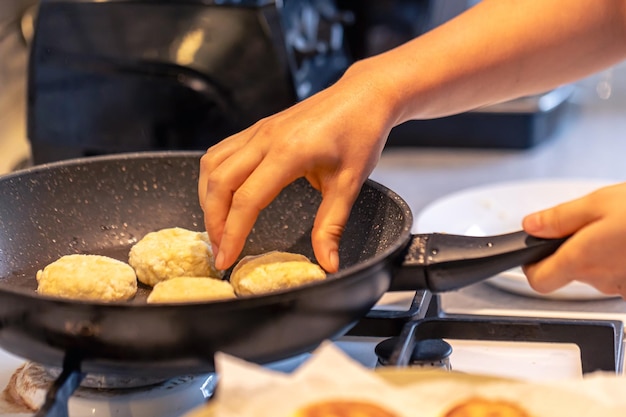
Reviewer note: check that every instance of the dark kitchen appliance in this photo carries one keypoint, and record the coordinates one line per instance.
(136, 75)
(517, 124)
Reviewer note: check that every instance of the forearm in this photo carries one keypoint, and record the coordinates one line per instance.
(498, 50)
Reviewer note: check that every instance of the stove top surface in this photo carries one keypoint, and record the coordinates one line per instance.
(528, 357)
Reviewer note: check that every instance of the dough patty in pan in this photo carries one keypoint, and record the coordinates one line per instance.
(190, 289)
(273, 271)
(172, 252)
(88, 277)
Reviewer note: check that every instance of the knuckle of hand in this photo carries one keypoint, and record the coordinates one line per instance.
(214, 182)
(207, 162)
(265, 128)
(208, 156)
(334, 231)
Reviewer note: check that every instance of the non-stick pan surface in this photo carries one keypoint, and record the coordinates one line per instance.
(103, 205)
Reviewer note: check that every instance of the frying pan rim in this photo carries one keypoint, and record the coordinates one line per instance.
(98, 158)
(282, 295)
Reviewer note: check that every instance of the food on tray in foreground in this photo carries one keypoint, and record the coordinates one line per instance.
(88, 277)
(273, 271)
(482, 407)
(471, 407)
(189, 289)
(344, 408)
(172, 252)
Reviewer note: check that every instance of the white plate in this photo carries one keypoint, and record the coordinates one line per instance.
(499, 208)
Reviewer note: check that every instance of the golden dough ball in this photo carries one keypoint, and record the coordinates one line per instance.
(274, 271)
(481, 407)
(344, 408)
(88, 277)
(189, 289)
(170, 253)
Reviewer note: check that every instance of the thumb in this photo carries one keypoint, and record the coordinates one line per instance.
(559, 221)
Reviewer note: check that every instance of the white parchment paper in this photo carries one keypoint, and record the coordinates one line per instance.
(250, 390)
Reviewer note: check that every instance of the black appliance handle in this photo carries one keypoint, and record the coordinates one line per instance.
(187, 77)
(443, 262)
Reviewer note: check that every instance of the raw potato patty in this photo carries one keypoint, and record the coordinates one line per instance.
(273, 271)
(88, 277)
(170, 253)
(187, 289)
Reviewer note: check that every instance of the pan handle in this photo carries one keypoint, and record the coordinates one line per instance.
(57, 398)
(443, 262)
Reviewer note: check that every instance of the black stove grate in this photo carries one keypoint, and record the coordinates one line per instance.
(600, 341)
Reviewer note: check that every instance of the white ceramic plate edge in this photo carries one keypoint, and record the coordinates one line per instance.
(483, 210)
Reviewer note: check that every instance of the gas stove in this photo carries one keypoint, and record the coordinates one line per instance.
(538, 348)
(403, 329)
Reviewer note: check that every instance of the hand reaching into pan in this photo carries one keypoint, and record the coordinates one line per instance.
(595, 253)
(244, 173)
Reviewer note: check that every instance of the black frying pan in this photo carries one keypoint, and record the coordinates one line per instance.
(103, 205)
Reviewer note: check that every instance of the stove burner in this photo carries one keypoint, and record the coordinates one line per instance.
(429, 353)
(599, 341)
(31, 383)
(106, 382)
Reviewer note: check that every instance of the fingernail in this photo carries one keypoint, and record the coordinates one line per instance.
(333, 257)
(219, 260)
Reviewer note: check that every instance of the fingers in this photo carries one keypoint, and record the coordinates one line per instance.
(217, 183)
(546, 276)
(235, 184)
(559, 221)
(214, 157)
(257, 191)
(236, 195)
(243, 174)
(593, 253)
(208, 163)
(332, 216)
